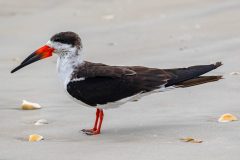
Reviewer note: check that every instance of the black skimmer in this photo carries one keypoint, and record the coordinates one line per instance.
(102, 86)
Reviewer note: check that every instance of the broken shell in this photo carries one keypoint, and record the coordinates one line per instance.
(35, 138)
(29, 105)
(41, 122)
(191, 140)
(227, 118)
(187, 139)
(108, 17)
(235, 73)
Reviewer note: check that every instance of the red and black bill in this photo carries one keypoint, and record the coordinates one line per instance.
(41, 53)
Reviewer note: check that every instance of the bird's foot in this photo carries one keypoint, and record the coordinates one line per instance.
(88, 130)
(97, 125)
(91, 132)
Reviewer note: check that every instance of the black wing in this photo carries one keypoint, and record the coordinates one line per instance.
(104, 84)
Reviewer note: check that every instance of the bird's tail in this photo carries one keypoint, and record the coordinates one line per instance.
(191, 76)
(198, 81)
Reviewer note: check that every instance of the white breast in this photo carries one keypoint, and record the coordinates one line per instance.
(64, 71)
(66, 65)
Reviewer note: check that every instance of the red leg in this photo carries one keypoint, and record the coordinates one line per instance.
(101, 115)
(98, 131)
(95, 124)
(96, 120)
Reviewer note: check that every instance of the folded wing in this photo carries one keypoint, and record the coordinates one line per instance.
(101, 84)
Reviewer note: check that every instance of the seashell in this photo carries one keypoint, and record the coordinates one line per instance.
(35, 138)
(191, 140)
(227, 118)
(29, 105)
(108, 17)
(235, 73)
(41, 122)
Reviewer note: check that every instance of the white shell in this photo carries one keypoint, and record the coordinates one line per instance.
(235, 73)
(41, 122)
(29, 105)
(108, 17)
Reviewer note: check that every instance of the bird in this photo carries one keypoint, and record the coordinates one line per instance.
(102, 86)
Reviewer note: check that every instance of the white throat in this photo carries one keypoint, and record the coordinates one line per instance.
(67, 63)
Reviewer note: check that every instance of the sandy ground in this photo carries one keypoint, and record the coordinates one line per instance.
(153, 33)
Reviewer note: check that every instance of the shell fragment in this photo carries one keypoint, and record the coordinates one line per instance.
(227, 118)
(35, 138)
(29, 105)
(41, 122)
(108, 17)
(235, 73)
(191, 140)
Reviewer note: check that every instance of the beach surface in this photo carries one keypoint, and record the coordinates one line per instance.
(163, 34)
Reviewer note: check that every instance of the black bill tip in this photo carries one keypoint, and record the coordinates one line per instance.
(30, 59)
(15, 69)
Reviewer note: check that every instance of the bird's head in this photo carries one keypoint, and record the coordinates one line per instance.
(61, 44)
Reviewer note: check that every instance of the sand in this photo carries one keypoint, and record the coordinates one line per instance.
(154, 33)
